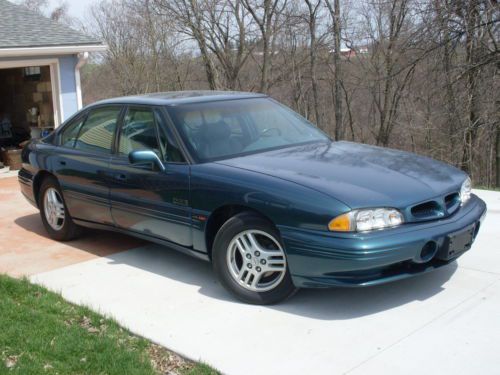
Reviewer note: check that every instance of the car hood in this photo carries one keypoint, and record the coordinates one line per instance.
(358, 175)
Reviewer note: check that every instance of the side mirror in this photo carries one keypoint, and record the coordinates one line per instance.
(145, 157)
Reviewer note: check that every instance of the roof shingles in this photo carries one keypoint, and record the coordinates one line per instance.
(22, 28)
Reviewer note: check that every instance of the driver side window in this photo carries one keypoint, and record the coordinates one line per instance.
(139, 132)
(70, 132)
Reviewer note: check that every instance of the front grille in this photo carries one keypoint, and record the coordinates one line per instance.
(436, 208)
(427, 210)
(452, 202)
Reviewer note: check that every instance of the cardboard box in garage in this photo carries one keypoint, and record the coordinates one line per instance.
(12, 158)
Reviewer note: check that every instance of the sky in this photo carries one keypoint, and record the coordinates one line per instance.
(76, 8)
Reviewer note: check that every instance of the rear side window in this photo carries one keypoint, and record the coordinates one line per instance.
(139, 132)
(96, 134)
(70, 132)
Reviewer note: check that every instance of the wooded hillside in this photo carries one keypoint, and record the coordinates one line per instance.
(418, 75)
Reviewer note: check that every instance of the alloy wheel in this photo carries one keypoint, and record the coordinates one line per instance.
(54, 209)
(256, 260)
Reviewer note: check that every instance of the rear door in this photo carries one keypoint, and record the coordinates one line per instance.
(82, 163)
(143, 198)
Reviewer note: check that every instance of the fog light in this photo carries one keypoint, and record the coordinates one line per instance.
(428, 251)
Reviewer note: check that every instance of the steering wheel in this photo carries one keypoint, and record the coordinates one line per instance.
(268, 130)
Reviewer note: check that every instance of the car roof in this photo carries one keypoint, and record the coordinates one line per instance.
(173, 98)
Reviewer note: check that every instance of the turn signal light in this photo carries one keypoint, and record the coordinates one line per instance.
(341, 223)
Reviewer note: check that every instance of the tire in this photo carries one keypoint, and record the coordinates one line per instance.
(271, 281)
(61, 227)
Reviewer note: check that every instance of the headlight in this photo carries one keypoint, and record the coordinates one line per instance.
(365, 220)
(466, 190)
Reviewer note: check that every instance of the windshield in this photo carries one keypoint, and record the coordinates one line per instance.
(225, 129)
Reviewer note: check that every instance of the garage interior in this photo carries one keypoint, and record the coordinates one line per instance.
(26, 110)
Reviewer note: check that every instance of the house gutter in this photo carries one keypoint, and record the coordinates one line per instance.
(82, 60)
(51, 50)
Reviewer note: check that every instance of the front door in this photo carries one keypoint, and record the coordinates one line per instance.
(144, 199)
(81, 163)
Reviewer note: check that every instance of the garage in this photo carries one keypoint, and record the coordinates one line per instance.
(40, 62)
(26, 104)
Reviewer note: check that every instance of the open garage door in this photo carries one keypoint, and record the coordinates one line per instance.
(29, 106)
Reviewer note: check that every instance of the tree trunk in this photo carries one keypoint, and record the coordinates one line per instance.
(472, 95)
(339, 126)
(268, 29)
(312, 60)
(265, 65)
(334, 11)
(453, 117)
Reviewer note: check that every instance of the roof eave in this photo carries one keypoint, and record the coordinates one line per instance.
(52, 50)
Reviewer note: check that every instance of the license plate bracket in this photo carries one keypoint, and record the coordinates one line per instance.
(458, 243)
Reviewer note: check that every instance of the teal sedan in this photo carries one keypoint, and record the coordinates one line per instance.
(244, 182)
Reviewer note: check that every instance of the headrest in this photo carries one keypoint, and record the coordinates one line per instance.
(217, 131)
(193, 119)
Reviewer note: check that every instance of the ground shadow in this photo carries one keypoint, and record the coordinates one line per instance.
(349, 303)
(93, 241)
(326, 304)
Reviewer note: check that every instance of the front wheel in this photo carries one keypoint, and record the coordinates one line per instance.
(249, 260)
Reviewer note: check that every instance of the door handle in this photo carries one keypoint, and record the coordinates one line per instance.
(62, 162)
(121, 177)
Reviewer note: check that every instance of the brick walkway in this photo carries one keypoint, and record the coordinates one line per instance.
(25, 248)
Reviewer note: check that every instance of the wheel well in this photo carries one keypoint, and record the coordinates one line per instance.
(220, 216)
(37, 182)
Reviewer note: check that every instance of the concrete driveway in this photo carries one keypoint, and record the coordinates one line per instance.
(444, 322)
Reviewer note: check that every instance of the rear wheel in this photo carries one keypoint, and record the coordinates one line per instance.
(249, 260)
(55, 216)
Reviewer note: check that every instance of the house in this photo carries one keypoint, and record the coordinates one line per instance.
(40, 62)
(348, 52)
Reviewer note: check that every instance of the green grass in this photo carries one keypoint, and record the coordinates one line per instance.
(41, 333)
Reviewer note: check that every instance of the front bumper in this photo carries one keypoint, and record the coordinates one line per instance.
(322, 259)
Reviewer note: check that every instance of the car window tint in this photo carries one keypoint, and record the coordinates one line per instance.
(138, 132)
(96, 134)
(213, 132)
(234, 124)
(224, 129)
(70, 132)
(168, 144)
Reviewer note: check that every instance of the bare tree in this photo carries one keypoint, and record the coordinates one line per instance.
(58, 13)
(141, 50)
(228, 38)
(313, 8)
(189, 17)
(469, 13)
(390, 64)
(420, 75)
(265, 13)
(334, 11)
(38, 6)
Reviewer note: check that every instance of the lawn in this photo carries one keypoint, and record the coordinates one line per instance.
(41, 333)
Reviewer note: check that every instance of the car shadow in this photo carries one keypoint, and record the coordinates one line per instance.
(92, 241)
(350, 303)
(323, 304)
